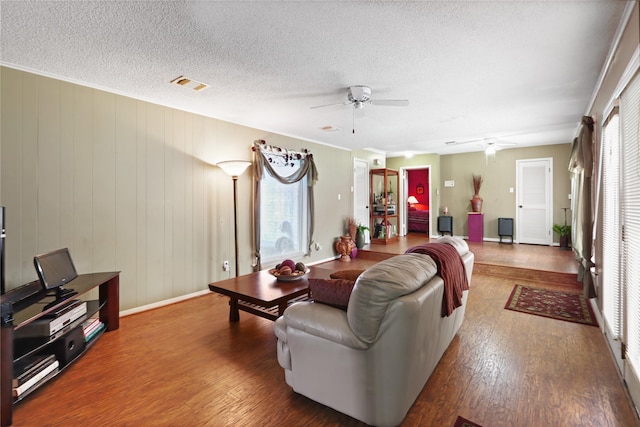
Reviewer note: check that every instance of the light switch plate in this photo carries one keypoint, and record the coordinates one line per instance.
(450, 183)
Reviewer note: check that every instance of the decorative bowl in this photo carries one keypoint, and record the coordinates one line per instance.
(296, 275)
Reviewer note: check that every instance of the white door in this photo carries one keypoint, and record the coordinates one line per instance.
(361, 192)
(534, 196)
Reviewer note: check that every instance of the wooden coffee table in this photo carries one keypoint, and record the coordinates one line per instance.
(261, 294)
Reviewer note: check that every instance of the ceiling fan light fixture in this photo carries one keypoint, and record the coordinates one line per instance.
(490, 150)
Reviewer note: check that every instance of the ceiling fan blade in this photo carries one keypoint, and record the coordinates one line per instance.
(391, 102)
(468, 141)
(330, 105)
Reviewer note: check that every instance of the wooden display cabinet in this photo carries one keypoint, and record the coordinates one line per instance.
(383, 200)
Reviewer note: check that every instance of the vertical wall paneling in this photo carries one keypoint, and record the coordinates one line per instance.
(82, 179)
(179, 205)
(155, 202)
(48, 199)
(199, 208)
(189, 162)
(141, 207)
(11, 165)
(66, 165)
(104, 183)
(30, 175)
(169, 200)
(126, 260)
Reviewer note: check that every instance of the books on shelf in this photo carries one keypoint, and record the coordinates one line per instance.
(44, 374)
(27, 367)
(47, 326)
(91, 328)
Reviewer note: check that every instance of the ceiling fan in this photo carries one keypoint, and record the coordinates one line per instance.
(490, 145)
(360, 95)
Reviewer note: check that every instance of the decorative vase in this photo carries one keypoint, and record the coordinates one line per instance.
(354, 252)
(359, 240)
(476, 203)
(344, 246)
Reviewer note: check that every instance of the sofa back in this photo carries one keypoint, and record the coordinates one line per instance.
(380, 285)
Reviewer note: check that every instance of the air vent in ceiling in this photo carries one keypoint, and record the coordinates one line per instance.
(330, 128)
(191, 84)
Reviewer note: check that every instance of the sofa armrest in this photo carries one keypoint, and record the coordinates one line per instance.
(323, 321)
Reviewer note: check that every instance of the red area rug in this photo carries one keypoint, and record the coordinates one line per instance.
(463, 422)
(567, 306)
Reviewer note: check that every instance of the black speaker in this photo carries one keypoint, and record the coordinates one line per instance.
(445, 224)
(69, 346)
(505, 228)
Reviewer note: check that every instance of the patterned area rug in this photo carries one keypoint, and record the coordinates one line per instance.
(463, 422)
(567, 306)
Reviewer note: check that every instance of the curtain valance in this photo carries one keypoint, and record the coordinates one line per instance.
(268, 155)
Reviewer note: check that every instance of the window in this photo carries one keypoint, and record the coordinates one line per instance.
(283, 217)
(612, 302)
(283, 205)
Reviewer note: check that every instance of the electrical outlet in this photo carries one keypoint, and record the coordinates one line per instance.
(225, 266)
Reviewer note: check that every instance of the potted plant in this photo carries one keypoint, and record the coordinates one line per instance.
(360, 235)
(564, 231)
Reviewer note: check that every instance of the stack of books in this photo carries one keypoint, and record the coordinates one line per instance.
(31, 371)
(91, 328)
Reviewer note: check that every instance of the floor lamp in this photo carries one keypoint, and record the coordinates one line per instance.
(234, 168)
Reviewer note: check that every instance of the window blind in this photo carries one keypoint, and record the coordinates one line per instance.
(629, 119)
(611, 234)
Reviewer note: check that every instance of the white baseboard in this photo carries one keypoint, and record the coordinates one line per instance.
(188, 296)
(163, 303)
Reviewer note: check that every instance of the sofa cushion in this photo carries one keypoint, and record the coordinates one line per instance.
(381, 284)
(346, 274)
(457, 242)
(335, 292)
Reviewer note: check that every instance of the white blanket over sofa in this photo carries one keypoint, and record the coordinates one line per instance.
(372, 361)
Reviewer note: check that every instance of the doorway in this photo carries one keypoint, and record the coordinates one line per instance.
(534, 194)
(361, 193)
(415, 214)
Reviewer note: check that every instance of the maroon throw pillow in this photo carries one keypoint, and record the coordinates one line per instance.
(335, 293)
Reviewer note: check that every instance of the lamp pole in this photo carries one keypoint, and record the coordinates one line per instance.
(234, 168)
(235, 219)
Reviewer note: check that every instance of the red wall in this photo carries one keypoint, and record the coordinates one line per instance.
(415, 178)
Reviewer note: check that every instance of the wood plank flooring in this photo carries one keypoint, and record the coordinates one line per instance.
(186, 365)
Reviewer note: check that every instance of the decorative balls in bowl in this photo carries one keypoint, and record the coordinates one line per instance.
(289, 270)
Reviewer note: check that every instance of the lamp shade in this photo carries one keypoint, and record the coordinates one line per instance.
(412, 200)
(234, 167)
(490, 150)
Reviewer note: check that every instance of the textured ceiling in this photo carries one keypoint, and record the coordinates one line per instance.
(519, 71)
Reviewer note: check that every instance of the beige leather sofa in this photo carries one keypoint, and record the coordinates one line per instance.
(372, 361)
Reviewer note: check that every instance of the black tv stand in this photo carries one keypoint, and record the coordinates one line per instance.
(60, 298)
(15, 316)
